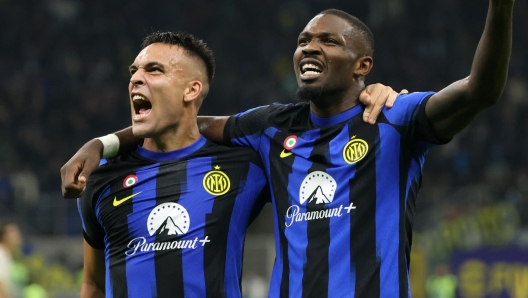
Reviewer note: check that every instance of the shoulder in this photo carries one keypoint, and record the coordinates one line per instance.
(277, 115)
(406, 107)
(272, 108)
(112, 170)
(231, 154)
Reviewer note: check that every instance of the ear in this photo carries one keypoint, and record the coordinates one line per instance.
(363, 66)
(192, 91)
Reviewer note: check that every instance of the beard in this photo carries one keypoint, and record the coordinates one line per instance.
(309, 93)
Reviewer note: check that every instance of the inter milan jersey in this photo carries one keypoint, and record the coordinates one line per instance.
(173, 224)
(343, 193)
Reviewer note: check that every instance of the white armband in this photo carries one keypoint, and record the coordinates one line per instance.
(110, 145)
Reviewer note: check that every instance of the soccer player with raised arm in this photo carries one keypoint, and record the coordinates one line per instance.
(169, 218)
(343, 191)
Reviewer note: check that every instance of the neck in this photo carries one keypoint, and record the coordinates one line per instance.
(174, 138)
(332, 104)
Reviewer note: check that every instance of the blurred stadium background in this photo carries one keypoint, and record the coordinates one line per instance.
(63, 80)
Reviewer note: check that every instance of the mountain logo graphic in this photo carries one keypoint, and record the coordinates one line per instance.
(318, 196)
(318, 187)
(168, 219)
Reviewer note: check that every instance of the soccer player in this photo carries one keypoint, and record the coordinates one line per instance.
(343, 190)
(169, 219)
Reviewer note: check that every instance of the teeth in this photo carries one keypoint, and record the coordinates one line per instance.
(140, 115)
(139, 97)
(313, 68)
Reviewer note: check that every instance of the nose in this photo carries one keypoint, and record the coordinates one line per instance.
(311, 48)
(137, 78)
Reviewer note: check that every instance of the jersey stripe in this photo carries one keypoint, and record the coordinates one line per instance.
(108, 280)
(193, 274)
(217, 220)
(315, 277)
(117, 259)
(388, 209)
(143, 262)
(340, 279)
(234, 246)
(282, 255)
(171, 183)
(364, 256)
(291, 229)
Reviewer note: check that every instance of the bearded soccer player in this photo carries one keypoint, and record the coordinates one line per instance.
(344, 190)
(170, 217)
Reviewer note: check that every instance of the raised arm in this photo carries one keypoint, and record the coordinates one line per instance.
(93, 280)
(454, 107)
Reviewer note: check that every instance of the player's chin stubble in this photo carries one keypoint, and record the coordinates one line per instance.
(309, 93)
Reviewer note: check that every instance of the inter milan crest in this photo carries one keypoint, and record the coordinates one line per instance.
(355, 150)
(130, 180)
(216, 182)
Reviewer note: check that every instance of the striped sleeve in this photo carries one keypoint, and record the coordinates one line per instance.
(409, 112)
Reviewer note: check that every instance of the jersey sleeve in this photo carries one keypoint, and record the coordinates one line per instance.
(245, 129)
(409, 112)
(93, 232)
(257, 185)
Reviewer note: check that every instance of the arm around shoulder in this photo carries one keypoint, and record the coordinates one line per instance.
(212, 127)
(454, 107)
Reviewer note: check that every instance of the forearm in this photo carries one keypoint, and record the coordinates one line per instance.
(89, 290)
(127, 141)
(489, 70)
(212, 127)
(454, 107)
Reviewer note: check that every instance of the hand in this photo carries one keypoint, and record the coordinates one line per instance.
(76, 171)
(376, 96)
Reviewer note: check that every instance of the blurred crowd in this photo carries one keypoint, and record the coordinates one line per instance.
(64, 72)
(64, 76)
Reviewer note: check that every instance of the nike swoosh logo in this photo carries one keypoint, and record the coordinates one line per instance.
(284, 154)
(119, 202)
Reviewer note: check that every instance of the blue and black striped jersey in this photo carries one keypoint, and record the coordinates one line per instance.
(173, 224)
(343, 193)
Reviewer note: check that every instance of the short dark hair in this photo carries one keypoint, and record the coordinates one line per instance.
(192, 46)
(364, 31)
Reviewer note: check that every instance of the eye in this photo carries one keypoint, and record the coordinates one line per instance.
(330, 40)
(303, 41)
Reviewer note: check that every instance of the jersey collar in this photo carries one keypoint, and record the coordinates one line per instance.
(336, 119)
(171, 155)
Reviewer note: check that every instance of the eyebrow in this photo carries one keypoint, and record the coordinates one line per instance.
(322, 34)
(148, 65)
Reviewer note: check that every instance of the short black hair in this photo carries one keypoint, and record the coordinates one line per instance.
(364, 31)
(192, 46)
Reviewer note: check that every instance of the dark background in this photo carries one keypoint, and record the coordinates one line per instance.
(64, 77)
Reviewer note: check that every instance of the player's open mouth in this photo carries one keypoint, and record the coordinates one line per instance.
(142, 106)
(310, 69)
